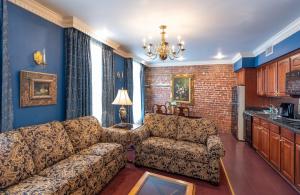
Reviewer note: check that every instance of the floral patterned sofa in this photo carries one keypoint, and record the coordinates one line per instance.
(58, 158)
(180, 145)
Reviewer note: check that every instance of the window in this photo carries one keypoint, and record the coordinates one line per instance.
(136, 107)
(96, 57)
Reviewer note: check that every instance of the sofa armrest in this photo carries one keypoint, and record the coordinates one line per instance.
(111, 135)
(215, 146)
(140, 134)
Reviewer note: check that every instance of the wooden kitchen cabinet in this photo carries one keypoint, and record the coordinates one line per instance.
(276, 77)
(265, 79)
(287, 158)
(297, 161)
(272, 79)
(283, 67)
(275, 149)
(241, 77)
(295, 62)
(264, 142)
(260, 82)
(255, 136)
(297, 167)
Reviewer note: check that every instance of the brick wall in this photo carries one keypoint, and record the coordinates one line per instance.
(213, 94)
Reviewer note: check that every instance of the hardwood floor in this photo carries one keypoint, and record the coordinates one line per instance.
(249, 174)
(127, 178)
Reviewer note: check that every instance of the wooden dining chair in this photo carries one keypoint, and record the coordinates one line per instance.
(158, 109)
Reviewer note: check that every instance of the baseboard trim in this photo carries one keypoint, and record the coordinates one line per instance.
(227, 178)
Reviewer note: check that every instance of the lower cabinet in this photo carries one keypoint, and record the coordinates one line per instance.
(287, 159)
(279, 147)
(255, 136)
(297, 161)
(275, 149)
(264, 149)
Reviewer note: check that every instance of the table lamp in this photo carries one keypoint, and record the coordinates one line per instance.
(122, 99)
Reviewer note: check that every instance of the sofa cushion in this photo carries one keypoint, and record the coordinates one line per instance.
(83, 132)
(157, 145)
(15, 159)
(49, 143)
(76, 170)
(190, 151)
(195, 130)
(162, 125)
(108, 151)
(39, 185)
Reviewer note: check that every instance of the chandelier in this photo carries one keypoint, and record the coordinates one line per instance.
(163, 50)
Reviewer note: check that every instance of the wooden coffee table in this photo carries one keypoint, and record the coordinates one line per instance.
(150, 184)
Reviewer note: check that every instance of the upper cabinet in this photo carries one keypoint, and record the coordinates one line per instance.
(295, 62)
(241, 77)
(260, 81)
(265, 79)
(271, 78)
(283, 67)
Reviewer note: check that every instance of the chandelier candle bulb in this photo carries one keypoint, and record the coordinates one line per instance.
(179, 38)
(44, 56)
(163, 49)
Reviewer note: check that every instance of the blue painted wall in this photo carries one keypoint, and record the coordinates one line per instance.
(27, 33)
(119, 83)
(247, 62)
(286, 46)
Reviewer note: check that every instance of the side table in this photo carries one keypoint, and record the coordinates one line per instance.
(122, 133)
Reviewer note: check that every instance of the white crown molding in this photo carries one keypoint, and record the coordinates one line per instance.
(40, 10)
(280, 36)
(66, 21)
(191, 63)
(240, 55)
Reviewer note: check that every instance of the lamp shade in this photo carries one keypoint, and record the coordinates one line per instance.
(122, 98)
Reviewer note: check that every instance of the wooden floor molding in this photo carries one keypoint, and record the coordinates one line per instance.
(227, 178)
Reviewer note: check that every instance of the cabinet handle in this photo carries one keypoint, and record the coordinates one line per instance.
(281, 140)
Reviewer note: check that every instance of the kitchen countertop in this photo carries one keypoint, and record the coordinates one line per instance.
(279, 121)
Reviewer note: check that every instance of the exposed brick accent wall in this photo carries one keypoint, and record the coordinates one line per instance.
(213, 94)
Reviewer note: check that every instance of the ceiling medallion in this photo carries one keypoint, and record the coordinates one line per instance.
(163, 49)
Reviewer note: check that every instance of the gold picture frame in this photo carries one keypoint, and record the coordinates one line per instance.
(37, 89)
(182, 88)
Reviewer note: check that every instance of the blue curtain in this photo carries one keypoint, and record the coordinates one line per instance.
(129, 86)
(78, 74)
(108, 86)
(142, 78)
(6, 88)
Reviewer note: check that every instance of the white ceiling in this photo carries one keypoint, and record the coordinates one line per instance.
(207, 27)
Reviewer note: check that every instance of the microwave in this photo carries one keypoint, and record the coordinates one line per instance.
(293, 83)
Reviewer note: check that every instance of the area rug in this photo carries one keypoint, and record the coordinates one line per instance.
(127, 178)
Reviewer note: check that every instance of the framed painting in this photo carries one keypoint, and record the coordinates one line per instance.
(182, 88)
(37, 89)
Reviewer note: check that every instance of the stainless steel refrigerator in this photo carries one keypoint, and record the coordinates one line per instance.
(238, 108)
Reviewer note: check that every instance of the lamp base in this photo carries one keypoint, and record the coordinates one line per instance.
(122, 114)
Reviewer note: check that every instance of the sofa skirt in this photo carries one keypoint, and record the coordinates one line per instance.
(205, 171)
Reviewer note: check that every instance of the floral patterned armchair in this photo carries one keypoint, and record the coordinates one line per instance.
(180, 145)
